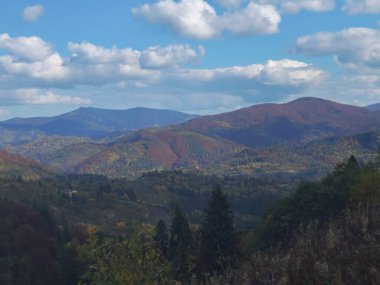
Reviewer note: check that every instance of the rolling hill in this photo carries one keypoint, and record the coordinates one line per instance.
(13, 166)
(143, 151)
(94, 122)
(310, 160)
(302, 120)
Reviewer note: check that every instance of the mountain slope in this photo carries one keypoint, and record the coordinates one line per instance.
(154, 149)
(307, 161)
(12, 165)
(302, 120)
(374, 107)
(94, 122)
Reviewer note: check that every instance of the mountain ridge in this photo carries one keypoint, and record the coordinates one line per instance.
(212, 141)
(97, 122)
(374, 107)
(300, 120)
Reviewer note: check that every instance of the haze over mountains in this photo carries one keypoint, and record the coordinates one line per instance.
(267, 138)
(95, 122)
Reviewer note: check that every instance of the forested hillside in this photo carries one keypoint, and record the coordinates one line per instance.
(169, 227)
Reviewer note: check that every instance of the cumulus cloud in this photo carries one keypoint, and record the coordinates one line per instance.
(190, 18)
(253, 20)
(26, 48)
(285, 73)
(294, 6)
(30, 61)
(152, 57)
(32, 13)
(357, 50)
(352, 48)
(198, 19)
(89, 53)
(353, 7)
(172, 55)
(173, 70)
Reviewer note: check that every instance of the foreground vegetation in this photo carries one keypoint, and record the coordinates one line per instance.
(326, 232)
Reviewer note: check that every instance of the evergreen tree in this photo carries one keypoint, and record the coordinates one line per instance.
(161, 238)
(180, 245)
(218, 245)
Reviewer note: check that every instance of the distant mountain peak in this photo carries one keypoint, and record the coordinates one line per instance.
(311, 99)
(97, 122)
(301, 120)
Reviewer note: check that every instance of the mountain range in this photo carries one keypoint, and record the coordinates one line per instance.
(95, 122)
(262, 139)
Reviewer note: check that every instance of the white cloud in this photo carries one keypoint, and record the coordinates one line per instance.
(353, 7)
(170, 71)
(26, 48)
(357, 50)
(152, 57)
(49, 98)
(190, 18)
(253, 20)
(294, 6)
(34, 96)
(31, 62)
(169, 56)
(32, 13)
(89, 53)
(290, 72)
(50, 70)
(197, 19)
(286, 72)
(352, 48)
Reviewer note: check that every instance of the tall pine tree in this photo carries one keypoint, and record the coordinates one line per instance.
(180, 245)
(217, 234)
(161, 238)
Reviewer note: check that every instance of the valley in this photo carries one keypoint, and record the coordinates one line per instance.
(97, 194)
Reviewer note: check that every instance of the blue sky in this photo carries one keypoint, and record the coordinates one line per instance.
(195, 56)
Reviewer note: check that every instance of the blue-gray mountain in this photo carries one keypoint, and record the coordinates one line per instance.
(95, 123)
(374, 107)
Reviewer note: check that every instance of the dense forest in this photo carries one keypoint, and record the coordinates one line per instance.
(188, 228)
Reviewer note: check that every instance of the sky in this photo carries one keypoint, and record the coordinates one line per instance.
(196, 56)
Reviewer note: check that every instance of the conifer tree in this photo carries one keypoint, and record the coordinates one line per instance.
(180, 245)
(161, 238)
(217, 233)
